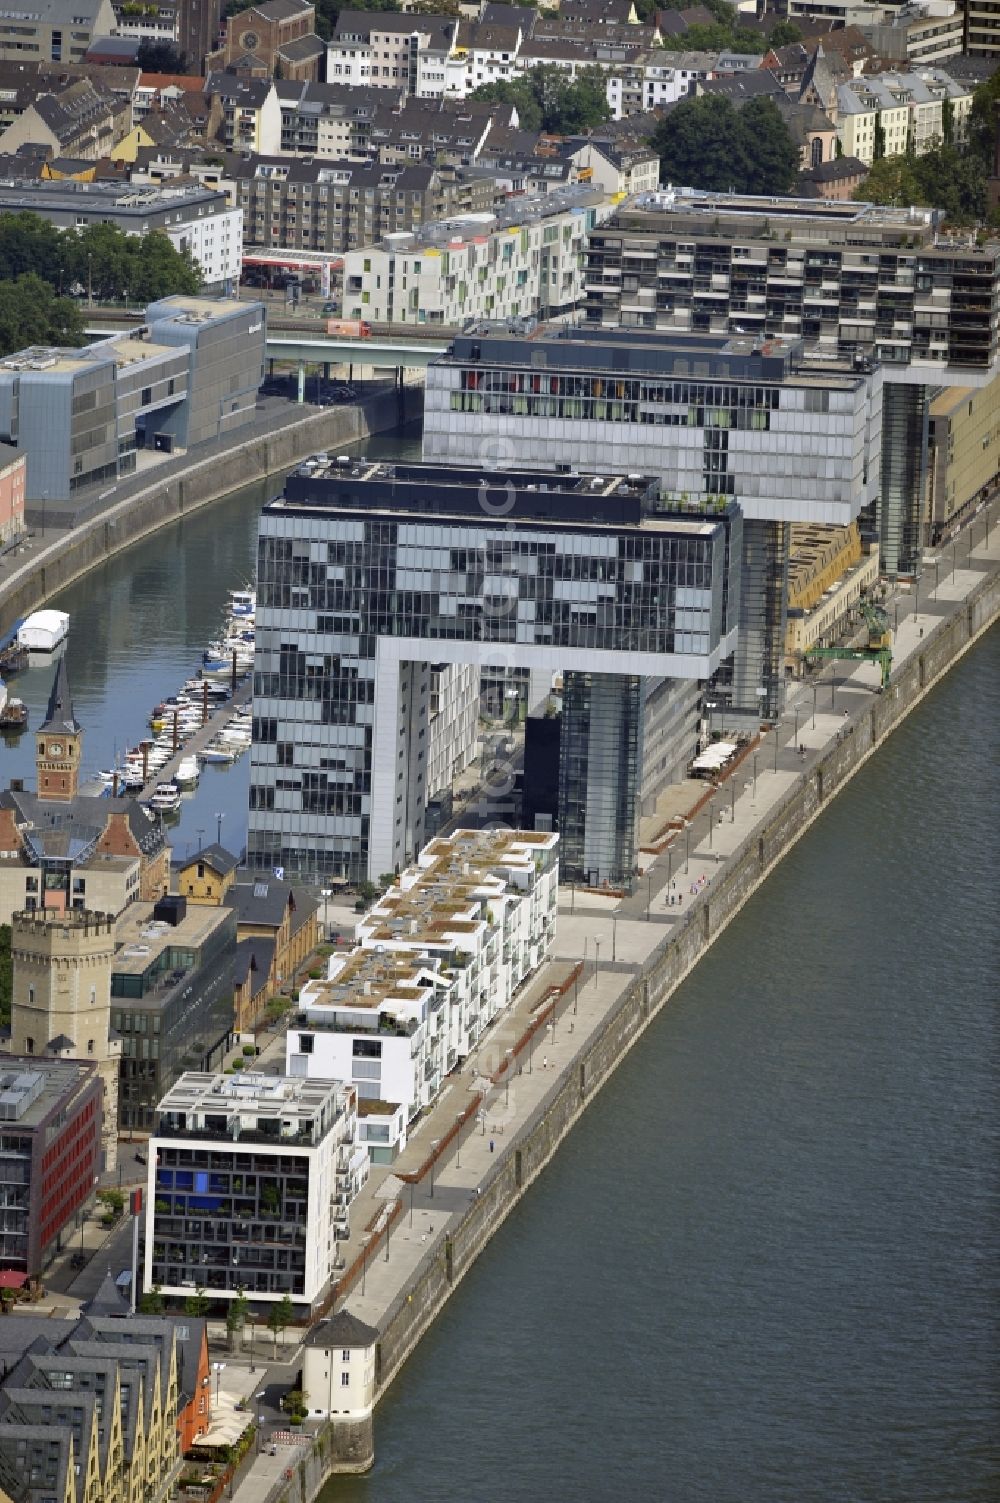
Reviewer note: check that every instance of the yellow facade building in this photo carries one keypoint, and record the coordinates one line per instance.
(964, 461)
(828, 572)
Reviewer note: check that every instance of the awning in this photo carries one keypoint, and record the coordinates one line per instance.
(10, 1278)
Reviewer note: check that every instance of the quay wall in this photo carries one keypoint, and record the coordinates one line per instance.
(251, 461)
(524, 1156)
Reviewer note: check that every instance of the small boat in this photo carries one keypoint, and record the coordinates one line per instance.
(188, 772)
(13, 659)
(43, 631)
(166, 799)
(242, 602)
(215, 753)
(14, 715)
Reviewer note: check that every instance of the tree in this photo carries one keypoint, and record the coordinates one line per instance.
(783, 34)
(984, 117)
(944, 178)
(196, 1304)
(100, 259)
(547, 99)
(151, 1302)
(161, 57)
(279, 1316)
(707, 143)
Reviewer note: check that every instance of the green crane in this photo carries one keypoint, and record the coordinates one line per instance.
(878, 648)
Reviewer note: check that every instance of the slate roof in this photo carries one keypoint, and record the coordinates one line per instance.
(836, 171)
(108, 1302)
(302, 49)
(253, 962)
(342, 1329)
(216, 856)
(70, 827)
(260, 900)
(59, 718)
(282, 10)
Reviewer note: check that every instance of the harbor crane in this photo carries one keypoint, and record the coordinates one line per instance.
(877, 650)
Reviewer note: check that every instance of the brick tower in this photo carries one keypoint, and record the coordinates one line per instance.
(61, 1003)
(59, 743)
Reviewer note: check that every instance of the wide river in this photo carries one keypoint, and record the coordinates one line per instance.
(763, 1269)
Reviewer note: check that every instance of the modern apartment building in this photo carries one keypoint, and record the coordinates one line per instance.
(522, 260)
(249, 1185)
(171, 998)
(440, 957)
(849, 278)
(50, 1155)
(743, 419)
(336, 206)
(369, 573)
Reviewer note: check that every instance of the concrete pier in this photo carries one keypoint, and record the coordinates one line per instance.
(419, 1224)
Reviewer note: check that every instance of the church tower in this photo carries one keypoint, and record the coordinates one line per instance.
(58, 744)
(61, 998)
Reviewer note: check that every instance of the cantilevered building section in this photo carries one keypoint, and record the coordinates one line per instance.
(368, 573)
(720, 419)
(847, 278)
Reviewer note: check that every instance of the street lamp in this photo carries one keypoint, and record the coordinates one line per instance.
(732, 800)
(218, 827)
(458, 1144)
(217, 1369)
(649, 891)
(434, 1149)
(710, 705)
(687, 846)
(614, 944)
(815, 688)
(509, 1057)
(326, 894)
(711, 821)
(755, 774)
(597, 962)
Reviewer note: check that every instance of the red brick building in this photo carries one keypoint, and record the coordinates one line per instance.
(276, 39)
(50, 1142)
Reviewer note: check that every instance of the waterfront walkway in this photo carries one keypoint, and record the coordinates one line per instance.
(600, 944)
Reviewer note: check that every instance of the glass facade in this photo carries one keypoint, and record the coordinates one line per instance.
(226, 1219)
(350, 592)
(905, 423)
(599, 767)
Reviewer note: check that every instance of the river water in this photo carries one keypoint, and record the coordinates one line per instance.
(763, 1268)
(138, 625)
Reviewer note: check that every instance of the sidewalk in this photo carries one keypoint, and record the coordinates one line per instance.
(613, 939)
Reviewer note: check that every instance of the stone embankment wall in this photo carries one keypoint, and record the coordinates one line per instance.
(250, 462)
(524, 1157)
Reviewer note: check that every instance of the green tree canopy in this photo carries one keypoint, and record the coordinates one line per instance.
(943, 178)
(100, 257)
(161, 57)
(31, 313)
(705, 142)
(546, 99)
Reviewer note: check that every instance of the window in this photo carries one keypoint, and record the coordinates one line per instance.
(345, 1379)
(306, 1041)
(90, 1046)
(345, 1356)
(29, 1044)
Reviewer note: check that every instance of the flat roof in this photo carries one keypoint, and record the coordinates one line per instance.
(30, 1088)
(140, 937)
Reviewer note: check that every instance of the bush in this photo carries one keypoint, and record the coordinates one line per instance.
(250, 1051)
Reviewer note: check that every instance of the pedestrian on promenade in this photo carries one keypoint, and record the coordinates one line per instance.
(545, 1061)
(491, 1145)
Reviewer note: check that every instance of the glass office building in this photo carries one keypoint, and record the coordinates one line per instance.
(747, 420)
(368, 573)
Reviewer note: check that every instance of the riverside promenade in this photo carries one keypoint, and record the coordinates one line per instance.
(410, 1215)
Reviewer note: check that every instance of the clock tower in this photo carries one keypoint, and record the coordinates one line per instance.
(58, 744)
